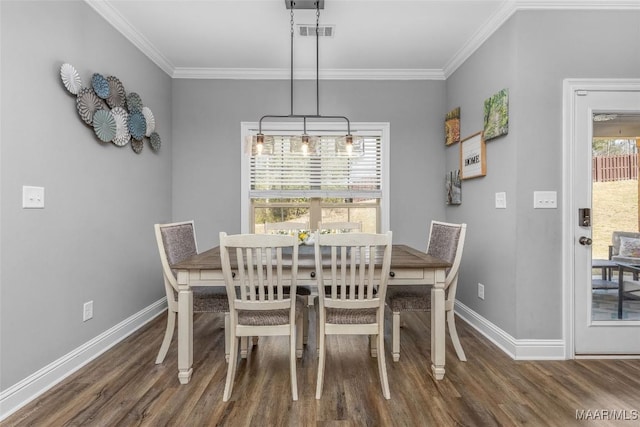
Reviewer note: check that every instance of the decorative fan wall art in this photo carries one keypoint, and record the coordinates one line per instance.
(151, 121)
(88, 103)
(104, 125)
(70, 78)
(154, 140)
(137, 125)
(121, 117)
(115, 115)
(134, 102)
(100, 85)
(136, 145)
(117, 95)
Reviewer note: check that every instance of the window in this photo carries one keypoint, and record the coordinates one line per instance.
(326, 184)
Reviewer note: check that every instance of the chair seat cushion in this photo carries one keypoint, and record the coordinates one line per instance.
(628, 260)
(269, 317)
(357, 316)
(210, 299)
(407, 300)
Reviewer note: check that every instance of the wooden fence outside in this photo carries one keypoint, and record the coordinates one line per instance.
(615, 168)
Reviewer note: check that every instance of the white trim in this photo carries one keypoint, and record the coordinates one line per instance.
(306, 74)
(113, 17)
(379, 128)
(495, 21)
(569, 87)
(23, 392)
(517, 349)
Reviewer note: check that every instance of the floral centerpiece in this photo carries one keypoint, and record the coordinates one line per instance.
(305, 237)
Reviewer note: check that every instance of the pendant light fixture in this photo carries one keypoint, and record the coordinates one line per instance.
(259, 139)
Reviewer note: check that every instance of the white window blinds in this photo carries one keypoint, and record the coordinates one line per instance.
(328, 170)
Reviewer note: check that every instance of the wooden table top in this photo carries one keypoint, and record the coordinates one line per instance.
(402, 256)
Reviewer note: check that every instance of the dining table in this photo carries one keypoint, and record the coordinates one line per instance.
(409, 266)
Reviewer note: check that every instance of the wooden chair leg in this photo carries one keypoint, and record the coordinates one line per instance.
(382, 367)
(453, 333)
(292, 361)
(298, 337)
(305, 325)
(321, 360)
(395, 336)
(244, 346)
(168, 336)
(226, 336)
(231, 368)
(373, 347)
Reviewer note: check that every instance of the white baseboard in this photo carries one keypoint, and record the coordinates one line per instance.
(23, 392)
(551, 349)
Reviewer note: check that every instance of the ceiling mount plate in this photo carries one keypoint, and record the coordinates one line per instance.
(304, 4)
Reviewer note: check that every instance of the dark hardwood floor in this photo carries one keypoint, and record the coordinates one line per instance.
(124, 387)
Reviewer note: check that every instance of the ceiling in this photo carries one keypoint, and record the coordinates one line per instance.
(373, 39)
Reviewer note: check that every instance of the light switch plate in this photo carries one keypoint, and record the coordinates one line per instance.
(545, 200)
(32, 197)
(501, 200)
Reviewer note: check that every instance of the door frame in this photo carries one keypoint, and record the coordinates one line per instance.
(569, 214)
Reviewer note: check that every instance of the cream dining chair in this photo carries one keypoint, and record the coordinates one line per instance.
(176, 242)
(446, 242)
(355, 288)
(293, 228)
(258, 303)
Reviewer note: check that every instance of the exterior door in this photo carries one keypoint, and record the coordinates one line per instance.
(599, 327)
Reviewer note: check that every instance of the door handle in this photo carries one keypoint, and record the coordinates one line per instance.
(585, 241)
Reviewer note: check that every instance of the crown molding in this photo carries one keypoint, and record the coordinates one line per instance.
(510, 7)
(479, 37)
(307, 74)
(113, 17)
(506, 10)
(577, 4)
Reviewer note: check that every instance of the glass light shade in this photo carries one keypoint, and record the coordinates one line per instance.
(304, 144)
(261, 145)
(350, 145)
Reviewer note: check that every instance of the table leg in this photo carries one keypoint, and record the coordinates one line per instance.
(438, 326)
(185, 328)
(620, 290)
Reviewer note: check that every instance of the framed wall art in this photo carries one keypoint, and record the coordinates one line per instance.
(452, 127)
(473, 156)
(496, 115)
(453, 185)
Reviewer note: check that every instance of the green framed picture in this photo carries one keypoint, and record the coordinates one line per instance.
(452, 127)
(496, 115)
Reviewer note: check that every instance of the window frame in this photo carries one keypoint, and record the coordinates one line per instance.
(378, 129)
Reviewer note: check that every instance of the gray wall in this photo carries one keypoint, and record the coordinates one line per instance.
(206, 154)
(516, 253)
(94, 239)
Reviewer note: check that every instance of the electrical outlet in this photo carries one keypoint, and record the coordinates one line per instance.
(32, 197)
(87, 311)
(480, 291)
